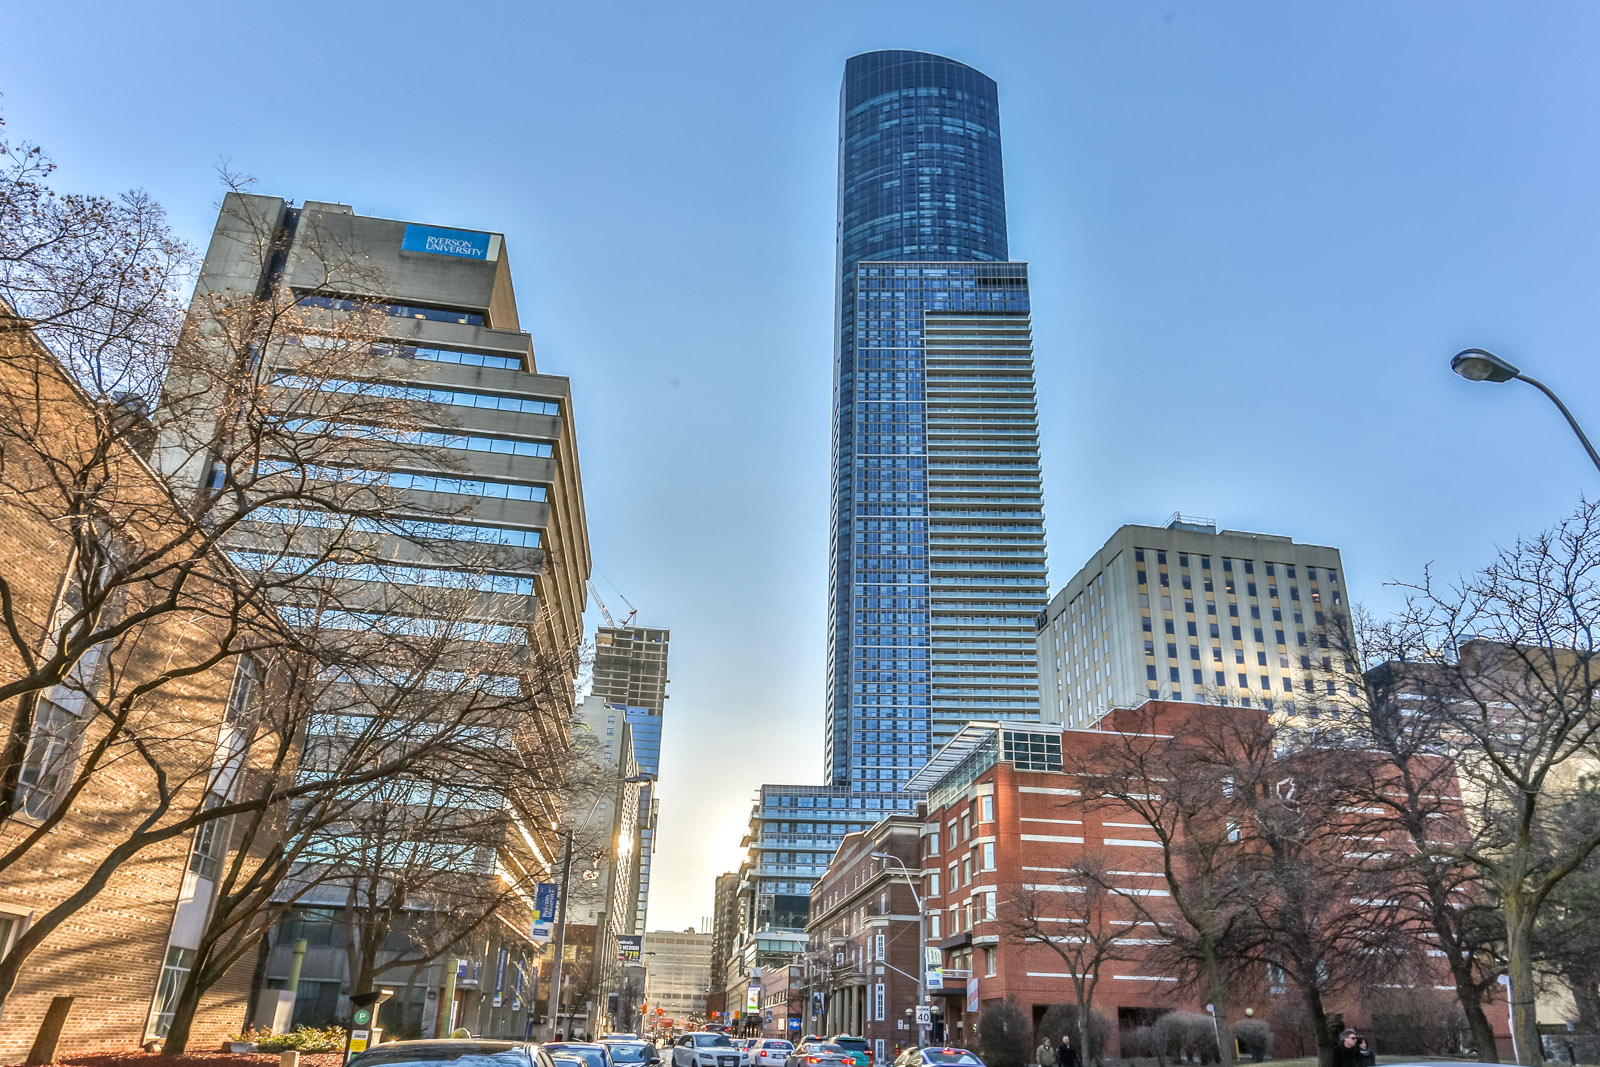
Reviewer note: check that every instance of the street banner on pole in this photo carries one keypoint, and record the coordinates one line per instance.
(544, 911)
(630, 948)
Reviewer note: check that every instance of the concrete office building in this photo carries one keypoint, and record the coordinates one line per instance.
(487, 454)
(605, 885)
(630, 673)
(724, 935)
(678, 968)
(1187, 613)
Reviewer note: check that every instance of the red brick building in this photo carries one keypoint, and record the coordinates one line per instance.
(1006, 831)
(863, 930)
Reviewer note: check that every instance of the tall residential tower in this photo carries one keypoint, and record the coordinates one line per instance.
(937, 560)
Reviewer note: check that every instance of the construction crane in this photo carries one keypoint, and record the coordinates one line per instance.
(606, 614)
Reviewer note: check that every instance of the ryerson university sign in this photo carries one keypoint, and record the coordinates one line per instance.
(442, 242)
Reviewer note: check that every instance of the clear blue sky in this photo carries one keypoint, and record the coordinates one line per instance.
(1258, 232)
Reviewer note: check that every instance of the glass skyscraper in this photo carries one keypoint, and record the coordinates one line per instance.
(937, 560)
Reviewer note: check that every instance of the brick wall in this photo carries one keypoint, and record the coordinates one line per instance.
(109, 953)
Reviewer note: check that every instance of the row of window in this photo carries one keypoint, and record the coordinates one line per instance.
(421, 394)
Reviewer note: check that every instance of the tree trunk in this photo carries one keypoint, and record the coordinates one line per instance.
(1519, 914)
(1319, 1022)
(1478, 1024)
(1217, 986)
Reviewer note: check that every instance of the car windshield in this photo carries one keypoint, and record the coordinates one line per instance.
(629, 1051)
(436, 1054)
(949, 1055)
(851, 1044)
(712, 1041)
(589, 1055)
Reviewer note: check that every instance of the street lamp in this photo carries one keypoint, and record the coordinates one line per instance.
(553, 1007)
(1479, 365)
(922, 936)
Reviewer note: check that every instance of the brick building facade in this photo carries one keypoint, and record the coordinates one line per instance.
(1006, 831)
(863, 930)
(110, 954)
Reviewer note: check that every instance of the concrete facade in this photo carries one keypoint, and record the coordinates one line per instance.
(486, 458)
(678, 970)
(630, 676)
(1189, 613)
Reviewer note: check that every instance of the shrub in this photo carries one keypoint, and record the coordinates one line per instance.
(1003, 1036)
(1255, 1037)
(1187, 1035)
(301, 1039)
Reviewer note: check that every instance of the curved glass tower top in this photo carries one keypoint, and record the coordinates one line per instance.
(919, 161)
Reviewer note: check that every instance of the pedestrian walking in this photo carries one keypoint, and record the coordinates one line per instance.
(1067, 1056)
(1042, 1056)
(1350, 1050)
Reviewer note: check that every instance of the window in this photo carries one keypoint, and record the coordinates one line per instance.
(988, 963)
(179, 962)
(11, 927)
(986, 809)
(988, 906)
(933, 884)
(966, 870)
(988, 855)
(246, 679)
(878, 947)
(210, 844)
(933, 925)
(45, 762)
(933, 843)
(877, 1002)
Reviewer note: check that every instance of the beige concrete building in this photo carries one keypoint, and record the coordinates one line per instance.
(1186, 612)
(679, 968)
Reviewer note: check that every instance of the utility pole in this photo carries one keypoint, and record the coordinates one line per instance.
(554, 1006)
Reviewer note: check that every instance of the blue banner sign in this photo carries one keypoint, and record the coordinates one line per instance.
(544, 911)
(443, 242)
(630, 948)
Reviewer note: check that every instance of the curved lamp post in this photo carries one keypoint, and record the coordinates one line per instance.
(1478, 365)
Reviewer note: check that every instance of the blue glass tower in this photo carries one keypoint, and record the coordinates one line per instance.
(937, 560)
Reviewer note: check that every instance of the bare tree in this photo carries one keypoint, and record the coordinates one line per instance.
(1181, 787)
(1406, 803)
(1074, 917)
(1504, 660)
(1325, 909)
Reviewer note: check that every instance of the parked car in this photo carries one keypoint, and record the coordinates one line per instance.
(705, 1049)
(591, 1054)
(630, 1050)
(857, 1047)
(455, 1052)
(819, 1054)
(768, 1052)
(937, 1056)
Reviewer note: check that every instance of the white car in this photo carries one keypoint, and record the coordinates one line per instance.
(703, 1049)
(769, 1052)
